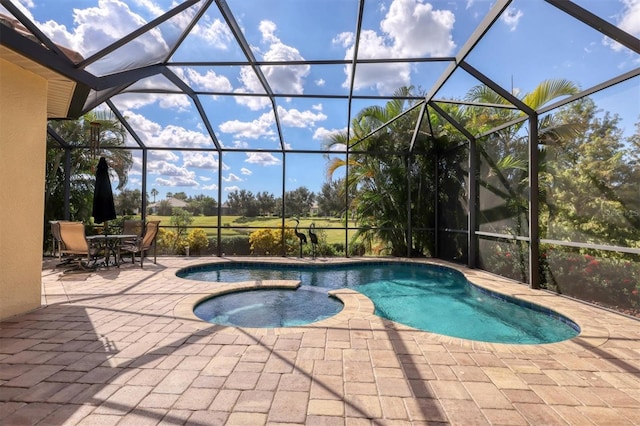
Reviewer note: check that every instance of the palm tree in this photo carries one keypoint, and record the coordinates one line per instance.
(380, 168)
(154, 192)
(82, 167)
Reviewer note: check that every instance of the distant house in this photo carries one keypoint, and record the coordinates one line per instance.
(173, 202)
(315, 209)
(225, 210)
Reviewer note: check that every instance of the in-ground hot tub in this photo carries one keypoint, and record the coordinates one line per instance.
(269, 307)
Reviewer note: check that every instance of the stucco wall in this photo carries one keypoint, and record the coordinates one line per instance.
(23, 120)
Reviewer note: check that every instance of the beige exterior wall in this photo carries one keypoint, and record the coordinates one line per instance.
(23, 120)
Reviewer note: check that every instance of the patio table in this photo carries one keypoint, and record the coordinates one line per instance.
(110, 243)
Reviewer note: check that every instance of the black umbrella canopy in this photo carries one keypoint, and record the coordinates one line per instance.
(103, 207)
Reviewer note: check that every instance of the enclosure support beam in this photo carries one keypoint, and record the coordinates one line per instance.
(143, 213)
(284, 203)
(67, 183)
(534, 207)
(409, 228)
(472, 205)
(436, 203)
(219, 248)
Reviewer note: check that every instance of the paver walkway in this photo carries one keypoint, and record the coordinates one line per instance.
(121, 347)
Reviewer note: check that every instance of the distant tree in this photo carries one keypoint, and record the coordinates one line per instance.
(209, 206)
(299, 201)
(180, 196)
(331, 200)
(243, 203)
(128, 201)
(591, 180)
(202, 205)
(154, 192)
(266, 203)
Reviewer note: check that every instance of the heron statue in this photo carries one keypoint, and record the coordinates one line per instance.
(300, 235)
(314, 239)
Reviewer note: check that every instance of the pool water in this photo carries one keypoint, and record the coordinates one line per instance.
(268, 308)
(427, 297)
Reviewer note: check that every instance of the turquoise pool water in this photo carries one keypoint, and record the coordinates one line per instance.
(427, 297)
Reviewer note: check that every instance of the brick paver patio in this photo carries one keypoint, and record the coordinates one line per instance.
(121, 346)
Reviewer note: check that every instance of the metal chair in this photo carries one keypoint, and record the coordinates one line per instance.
(57, 240)
(143, 244)
(74, 244)
(132, 227)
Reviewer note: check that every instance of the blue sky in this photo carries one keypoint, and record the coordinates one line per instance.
(531, 42)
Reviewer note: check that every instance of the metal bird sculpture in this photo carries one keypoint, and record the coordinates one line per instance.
(314, 239)
(300, 235)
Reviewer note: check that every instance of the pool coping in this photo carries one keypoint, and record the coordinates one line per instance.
(359, 307)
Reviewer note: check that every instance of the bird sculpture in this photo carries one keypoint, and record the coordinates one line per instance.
(300, 235)
(314, 239)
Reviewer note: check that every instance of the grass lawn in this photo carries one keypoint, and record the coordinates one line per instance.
(232, 225)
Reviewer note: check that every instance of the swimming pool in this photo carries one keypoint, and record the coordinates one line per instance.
(424, 296)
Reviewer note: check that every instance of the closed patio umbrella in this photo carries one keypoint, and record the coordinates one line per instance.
(103, 207)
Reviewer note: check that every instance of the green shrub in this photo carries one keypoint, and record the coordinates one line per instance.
(235, 246)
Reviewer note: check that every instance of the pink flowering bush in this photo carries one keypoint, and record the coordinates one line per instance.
(612, 281)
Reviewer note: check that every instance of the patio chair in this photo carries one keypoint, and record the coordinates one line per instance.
(57, 240)
(74, 245)
(143, 244)
(132, 227)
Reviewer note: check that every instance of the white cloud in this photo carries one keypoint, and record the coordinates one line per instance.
(281, 78)
(251, 84)
(345, 39)
(629, 21)
(134, 101)
(168, 156)
(511, 17)
(232, 178)
(171, 174)
(177, 181)
(418, 30)
(200, 160)
(410, 28)
(323, 134)
(211, 187)
(320, 82)
(231, 188)
(300, 119)
(153, 134)
(209, 81)
(215, 33)
(178, 102)
(250, 129)
(386, 78)
(204, 178)
(246, 171)
(262, 158)
(116, 21)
